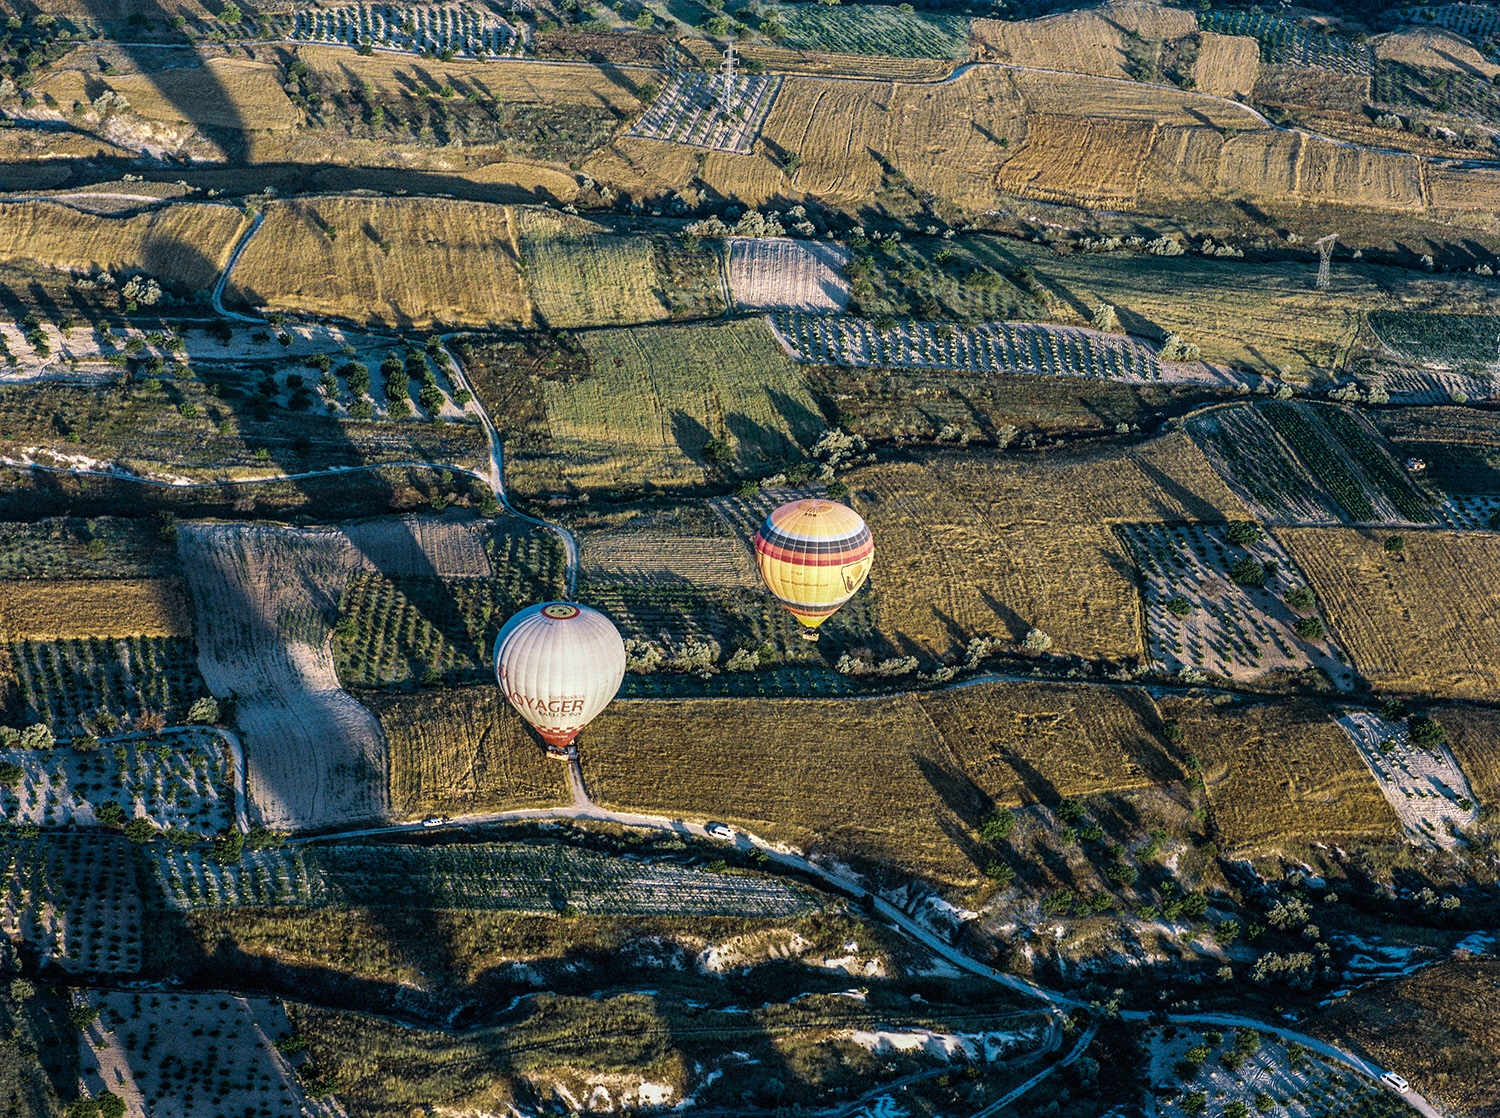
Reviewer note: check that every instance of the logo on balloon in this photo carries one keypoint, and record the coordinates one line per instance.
(547, 706)
(854, 574)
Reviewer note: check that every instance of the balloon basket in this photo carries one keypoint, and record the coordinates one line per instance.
(564, 753)
(810, 635)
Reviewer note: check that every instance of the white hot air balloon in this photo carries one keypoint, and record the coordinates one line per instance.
(559, 664)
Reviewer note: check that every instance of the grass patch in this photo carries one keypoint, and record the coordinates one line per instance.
(875, 29)
(654, 398)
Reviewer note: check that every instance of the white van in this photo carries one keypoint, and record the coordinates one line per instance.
(1395, 1082)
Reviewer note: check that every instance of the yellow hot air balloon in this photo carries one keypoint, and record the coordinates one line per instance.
(814, 555)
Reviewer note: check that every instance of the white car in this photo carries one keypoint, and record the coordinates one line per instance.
(1392, 1080)
(434, 821)
(719, 831)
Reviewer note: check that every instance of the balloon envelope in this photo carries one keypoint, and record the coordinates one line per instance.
(814, 555)
(559, 664)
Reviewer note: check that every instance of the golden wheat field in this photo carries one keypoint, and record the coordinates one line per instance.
(1227, 65)
(866, 779)
(221, 92)
(1041, 742)
(395, 261)
(80, 609)
(463, 751)
(1083, 42)
(990, 544)
(1425, 621)
(509, 82)
(1280, 772)
(186, 243)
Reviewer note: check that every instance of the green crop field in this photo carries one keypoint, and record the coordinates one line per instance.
(874, 29)
(1311, 462)
(581, 274)
(1450, 339)
(643, 418)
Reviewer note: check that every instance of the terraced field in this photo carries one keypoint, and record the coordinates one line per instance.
(72, 898)
(691, 110)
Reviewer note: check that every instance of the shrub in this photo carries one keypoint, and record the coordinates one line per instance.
(1178, 606)
(1236, 1109)
(1070, 811)
(1248, 572)
(1264, 1102)
(1174, 733)
(228, 848)
(1246, 1042)
(1309, 628)
(140, 830)
(997, 826)
(1037, 641)
(1058, 903)
(111, 1105)
(1301, 598)
(83, 1016)
(204, 711)
(110, 815)
(718, 450)
(1122, 874)
(37, 736)
(1227, 932)
(1395, 545)
(1194, 1102)
(1426, 733)
(1244, 532)
(10, 774)
(1001, 874)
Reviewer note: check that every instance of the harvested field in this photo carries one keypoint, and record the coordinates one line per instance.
(234, 93)
(463, 751)
(1227, 629)
(1440, 1026)
(1026, 743)
(266, 600)
(393, 261)
(989, 545)
(183, 782)
(148, 1048)
(1279, 773)
(1094, 41)
(875, 785)
(184, 245)
(1425, 787)
(1425, 621)
(579, 273)
(507, 82)
(1432, 48)
(657, 395)
(1472, 733)
(785, 274)
(72, 898)
(1227, 65)
(1065, 159)
(79, 609)
(508, 877)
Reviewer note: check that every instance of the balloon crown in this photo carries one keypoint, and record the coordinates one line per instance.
(560, 611)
